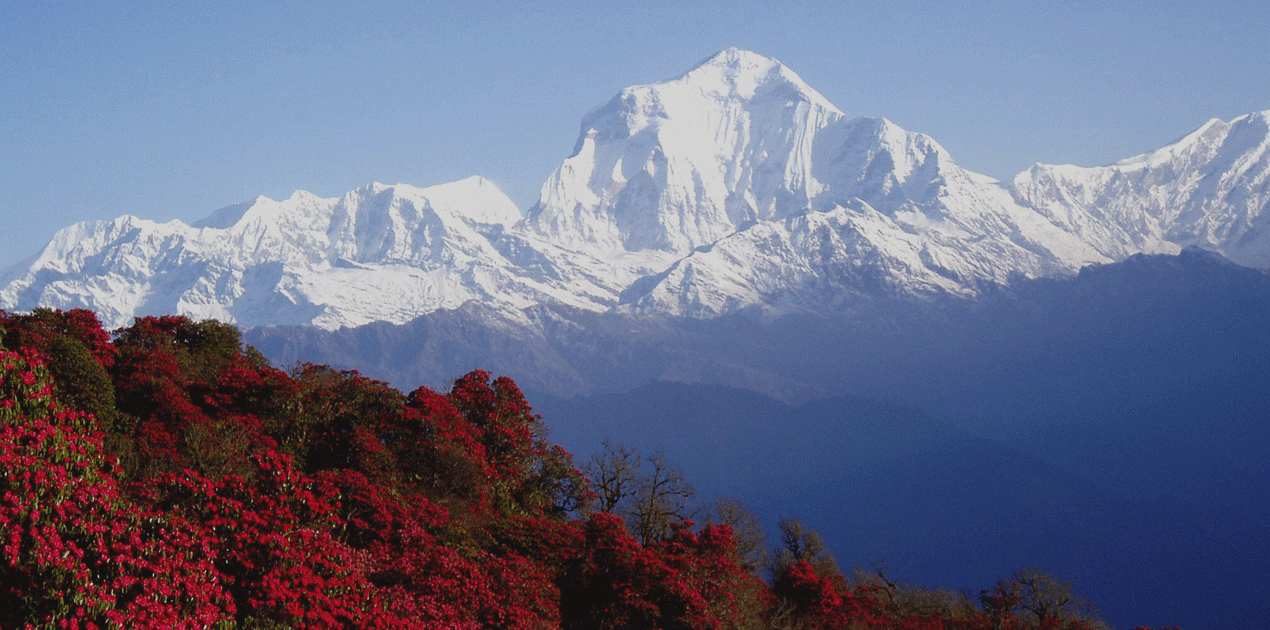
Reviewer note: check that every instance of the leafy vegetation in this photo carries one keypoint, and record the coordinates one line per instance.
(166, 476)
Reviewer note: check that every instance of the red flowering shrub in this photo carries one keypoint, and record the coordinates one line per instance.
(39, 328)
(347, 421)
(998, 606)
(194, 399)
(812, 600)
(528, 476)
(432, 572)
(690, 581)
(213, 490)
(76, 351)
(446, 460)
(709, 563)
(76, 552)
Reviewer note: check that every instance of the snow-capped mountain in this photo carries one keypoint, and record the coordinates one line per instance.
(735, 186)
(378, 253)
(767, 195)
(681, 164)
(1210, 189)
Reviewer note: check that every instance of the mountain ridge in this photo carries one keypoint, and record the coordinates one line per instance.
(722, 234)
(733, 187)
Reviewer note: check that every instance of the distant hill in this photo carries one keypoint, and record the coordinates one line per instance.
(1106, 424)
(1076, 342)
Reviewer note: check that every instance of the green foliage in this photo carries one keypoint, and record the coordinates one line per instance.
(77, 353)
(201, 348)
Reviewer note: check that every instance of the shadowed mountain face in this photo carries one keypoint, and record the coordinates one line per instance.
(732, 228)
(935, 504)
(1110, 427)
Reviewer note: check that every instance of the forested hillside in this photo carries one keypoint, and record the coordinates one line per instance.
(166, 476)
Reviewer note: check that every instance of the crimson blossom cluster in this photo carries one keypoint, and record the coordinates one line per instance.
(165, 476)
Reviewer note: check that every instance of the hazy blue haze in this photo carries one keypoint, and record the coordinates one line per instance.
(1109, 427)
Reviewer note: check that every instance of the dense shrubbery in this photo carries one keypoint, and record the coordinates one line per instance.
(170, 478)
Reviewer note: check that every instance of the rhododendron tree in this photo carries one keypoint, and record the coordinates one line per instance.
(171, 478)
(194, 399)
(76, 552)
(274, 541)
(528, 475)
(77, 352)
(431, 570)
(616, 582)
(709, 562)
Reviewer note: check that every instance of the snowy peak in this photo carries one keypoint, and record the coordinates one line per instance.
(733, 73)
(475, 201)
(1246, 134)
(402, 223)
(732, 187)
(1197, 144)
(377, 253)
(730, 77)
(677, 165)
(875, 160)
(1210, 188)
(697, 162)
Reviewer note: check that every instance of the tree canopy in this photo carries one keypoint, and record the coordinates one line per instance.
(166, 476)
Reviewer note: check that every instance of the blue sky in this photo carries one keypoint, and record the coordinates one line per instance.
(169, 110)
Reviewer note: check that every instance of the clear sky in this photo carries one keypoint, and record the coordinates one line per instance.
(172, 109)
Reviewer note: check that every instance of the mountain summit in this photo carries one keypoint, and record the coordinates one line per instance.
(678, 165)
(1209, 189)
(748, 189)
(734, 186)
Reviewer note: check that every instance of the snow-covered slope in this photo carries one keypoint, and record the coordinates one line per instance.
(378, 253)
(735, 186)
(767, 195)
(681, 164)
(1210, 189)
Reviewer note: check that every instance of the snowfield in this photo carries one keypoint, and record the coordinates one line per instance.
(733, 186)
